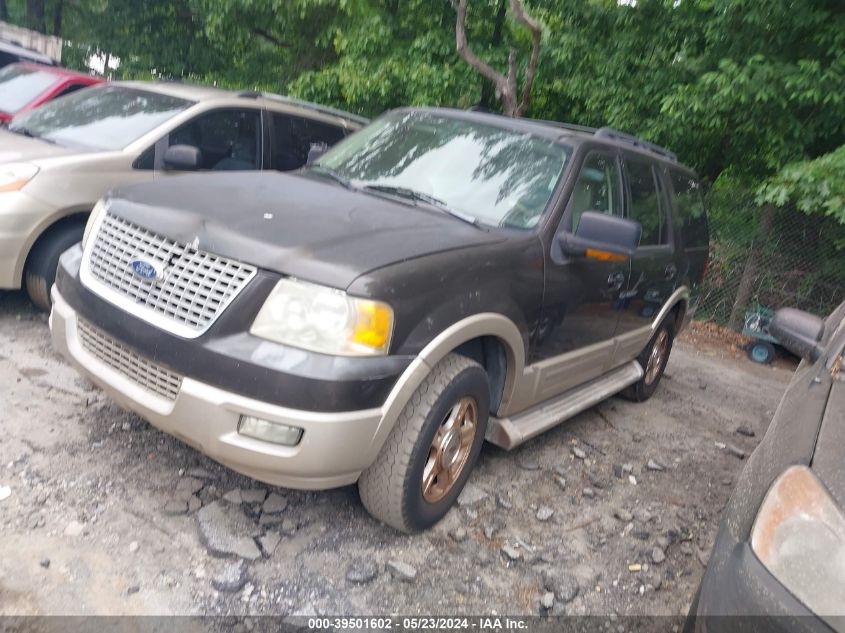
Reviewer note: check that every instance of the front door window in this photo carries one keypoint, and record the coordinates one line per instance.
(227, 139)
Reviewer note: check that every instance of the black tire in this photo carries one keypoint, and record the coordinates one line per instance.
(43, 261)
(645, 387)
(761, 352)
(392, 487)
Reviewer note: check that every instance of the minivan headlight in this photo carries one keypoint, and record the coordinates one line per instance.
(799, 535)
(96, 212)
(326, 320)
(13, 176)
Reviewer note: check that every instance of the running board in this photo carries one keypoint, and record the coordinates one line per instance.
(511, 432)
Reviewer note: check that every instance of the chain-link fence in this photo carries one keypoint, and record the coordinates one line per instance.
(777, 257)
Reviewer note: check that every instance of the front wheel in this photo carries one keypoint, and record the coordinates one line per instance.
(43, 262)
(429, 454)
(653, 360)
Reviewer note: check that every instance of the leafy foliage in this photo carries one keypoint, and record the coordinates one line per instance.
(814, 186)
(746, 91)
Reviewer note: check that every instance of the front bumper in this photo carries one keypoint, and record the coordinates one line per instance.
(334, 449)
(21, 218)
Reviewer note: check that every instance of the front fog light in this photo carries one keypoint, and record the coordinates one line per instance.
(268, 431)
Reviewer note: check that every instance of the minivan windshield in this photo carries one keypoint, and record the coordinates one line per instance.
(19, 85)
(489, 174)
(102, 118)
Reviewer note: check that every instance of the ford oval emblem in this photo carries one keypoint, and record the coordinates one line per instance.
(147, 270)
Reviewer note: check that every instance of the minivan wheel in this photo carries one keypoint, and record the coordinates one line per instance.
(653, 360)
(43, 262)
(429, 454)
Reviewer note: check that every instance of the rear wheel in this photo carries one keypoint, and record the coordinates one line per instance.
(429, 454)
(43, 262)
(653, 360)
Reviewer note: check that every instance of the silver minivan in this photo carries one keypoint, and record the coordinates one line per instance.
(58, 160)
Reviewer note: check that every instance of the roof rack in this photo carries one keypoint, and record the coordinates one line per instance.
(605, 132)
(253, 94)
(630, 139)
(568, 126)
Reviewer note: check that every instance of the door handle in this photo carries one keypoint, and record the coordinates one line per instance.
(671, 271)
(615, 280)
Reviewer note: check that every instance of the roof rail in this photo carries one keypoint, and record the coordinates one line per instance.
(568, 126)
(616, 135)
(602, 132)
(635, 141)
(252, 94)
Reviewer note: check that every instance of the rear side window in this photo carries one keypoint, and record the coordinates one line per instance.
(597, 188)
(293, 137)
(645, 206)
(688, 200)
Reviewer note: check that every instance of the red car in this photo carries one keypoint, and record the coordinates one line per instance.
(26, 86)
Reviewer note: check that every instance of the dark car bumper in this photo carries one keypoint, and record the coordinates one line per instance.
(197, 390)
(740, 595)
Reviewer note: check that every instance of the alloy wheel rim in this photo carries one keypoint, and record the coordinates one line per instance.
(450, 450)
(657, 357)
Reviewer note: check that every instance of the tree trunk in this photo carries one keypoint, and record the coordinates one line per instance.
(488, 88)
(58, 11)
(4, 10)
(504, 83)
(35, 15)
(747, 282)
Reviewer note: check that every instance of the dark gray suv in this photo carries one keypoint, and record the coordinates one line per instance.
(438, 278)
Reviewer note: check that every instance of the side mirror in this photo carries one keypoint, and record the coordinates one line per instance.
(182, 158)
(798, 331)
(603, 237)
(315, 153)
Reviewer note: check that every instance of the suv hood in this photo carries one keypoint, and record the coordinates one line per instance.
(293, 224)
(17, 148)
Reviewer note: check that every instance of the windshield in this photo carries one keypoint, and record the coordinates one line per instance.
(495, 176)
(104, 118)
(20, 85)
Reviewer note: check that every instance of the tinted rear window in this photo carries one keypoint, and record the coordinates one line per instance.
(688, 201)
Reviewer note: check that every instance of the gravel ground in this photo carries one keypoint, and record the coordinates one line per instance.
(613, 512)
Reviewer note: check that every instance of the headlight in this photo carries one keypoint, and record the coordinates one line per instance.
(96, 212)
(13, 176)
(324, 320)
(799, 535)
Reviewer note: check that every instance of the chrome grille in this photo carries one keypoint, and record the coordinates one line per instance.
(196, 286)
(146, 373)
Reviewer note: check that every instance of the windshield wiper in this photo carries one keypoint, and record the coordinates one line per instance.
(419, 196)
(331, 173)
(29, 134)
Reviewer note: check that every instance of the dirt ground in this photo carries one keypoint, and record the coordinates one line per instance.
(109, 516)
